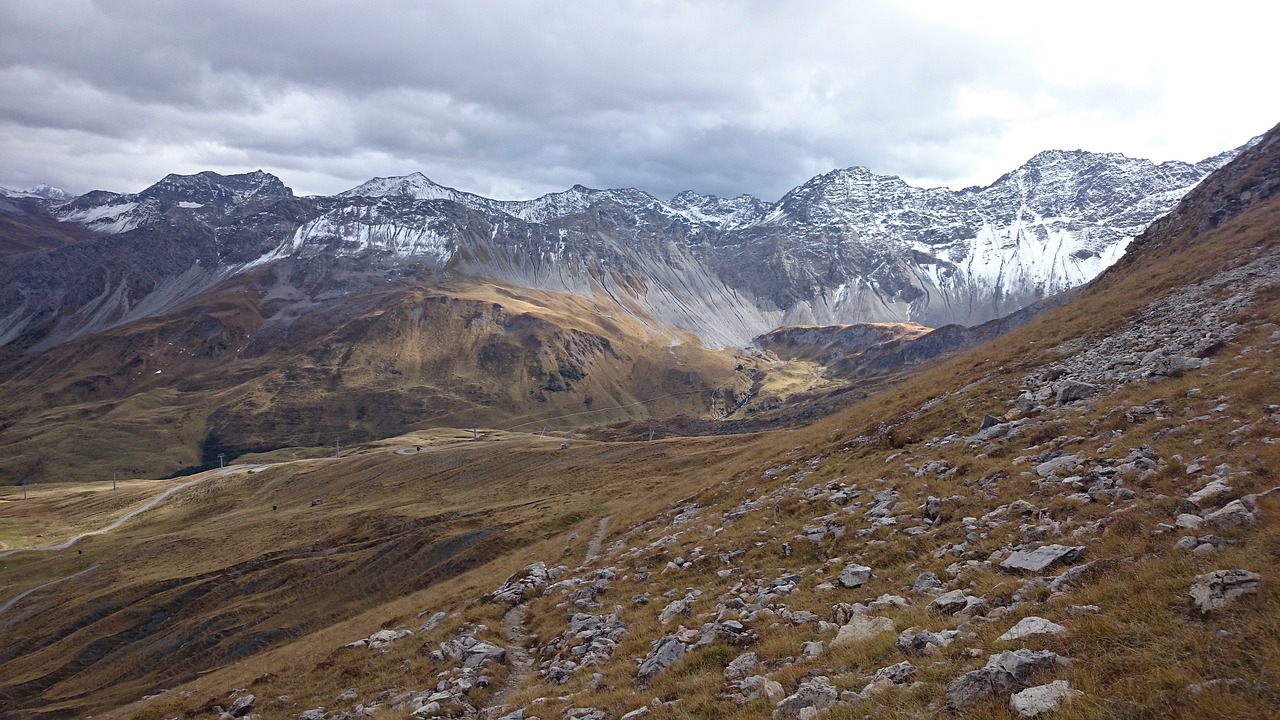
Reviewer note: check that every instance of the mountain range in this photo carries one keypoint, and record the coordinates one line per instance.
(847, 246)
(1077, 521)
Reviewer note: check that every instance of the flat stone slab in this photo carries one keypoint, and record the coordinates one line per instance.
(1031, 626)
(1042, 698)
(1042, 558)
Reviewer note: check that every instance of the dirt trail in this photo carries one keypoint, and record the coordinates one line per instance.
(21, 595)
(521, 661)
(129, 515)
(593, 547)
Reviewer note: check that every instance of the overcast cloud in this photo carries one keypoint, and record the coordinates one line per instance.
(516, 99)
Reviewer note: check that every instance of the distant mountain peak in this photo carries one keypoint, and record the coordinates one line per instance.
(49, 192)
(208, 186)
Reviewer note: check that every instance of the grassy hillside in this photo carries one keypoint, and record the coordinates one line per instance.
(1137, 427)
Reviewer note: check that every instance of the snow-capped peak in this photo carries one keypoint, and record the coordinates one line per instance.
(415, 185)
(49, 192)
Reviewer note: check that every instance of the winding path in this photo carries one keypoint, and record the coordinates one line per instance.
(147, 506)
(521, 660)
(593, 547)
(25, 593)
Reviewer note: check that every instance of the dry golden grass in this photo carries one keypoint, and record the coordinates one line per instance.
(391, 541)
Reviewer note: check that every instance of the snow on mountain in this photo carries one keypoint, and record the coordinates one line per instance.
(718, 212)
(41, 191)
(49, 192)
(416, 186)
(847, 246)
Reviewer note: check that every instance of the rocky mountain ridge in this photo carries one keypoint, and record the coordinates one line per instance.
(847, 246)
(1080, 522)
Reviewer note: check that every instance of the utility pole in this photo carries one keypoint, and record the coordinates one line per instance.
(650, 429)
(475, 434)
(337, 447)
(113, 478)
(24, 488)
(220, 456)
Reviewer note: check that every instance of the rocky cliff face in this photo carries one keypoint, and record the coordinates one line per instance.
(848, 246)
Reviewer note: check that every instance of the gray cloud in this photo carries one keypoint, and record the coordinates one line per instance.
(517, 99)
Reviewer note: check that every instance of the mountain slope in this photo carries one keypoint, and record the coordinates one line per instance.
(848, 246)
(1089, 506)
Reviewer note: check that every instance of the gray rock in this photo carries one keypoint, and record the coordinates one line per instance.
(1030, 627)
(854, 575)
(1042, 698)
(897, 674)
(932, 507)
(1186, 543)
(1233, 514)
(432, 621)
(348, 694)
(483, 652)
(925, 582)
(1070, 578)
(636, 714)
(817, 693)
(1206, 496)
(1188, 521)
(757, 686)
(1042, 558)
(1005, 672)
(1215, 590)
(860, 628)
(1063, 463)
(922, 642)
(949, 603)
(241, 706)
(665, 652)
(313, 714)
(681, 607)
(1074, 390)
(741, 667)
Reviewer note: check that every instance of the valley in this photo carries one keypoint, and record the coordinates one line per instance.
(1072, 509)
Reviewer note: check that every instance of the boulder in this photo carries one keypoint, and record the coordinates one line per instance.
(1030, 627)
(483, 652)
(1074, 390)
(741, 667)
(925, 582)
(949, 603)
(241, 706)
(1231, 515)
(1042, 558)
(1206, 496)
(664, 652)
(860, 628)
(1005, 672)
(1063, 463)
(1042, 698)
(681, 607)
(1215, 590)
(897, 674)
(923, 642)
(854, 575)
(758, 686)
(817, 693)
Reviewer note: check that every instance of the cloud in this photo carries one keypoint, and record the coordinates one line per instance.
(517, 99)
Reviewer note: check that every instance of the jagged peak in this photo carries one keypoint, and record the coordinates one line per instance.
(209, 186)
(415, 185)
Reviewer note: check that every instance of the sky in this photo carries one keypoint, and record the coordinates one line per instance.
(512, 100)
